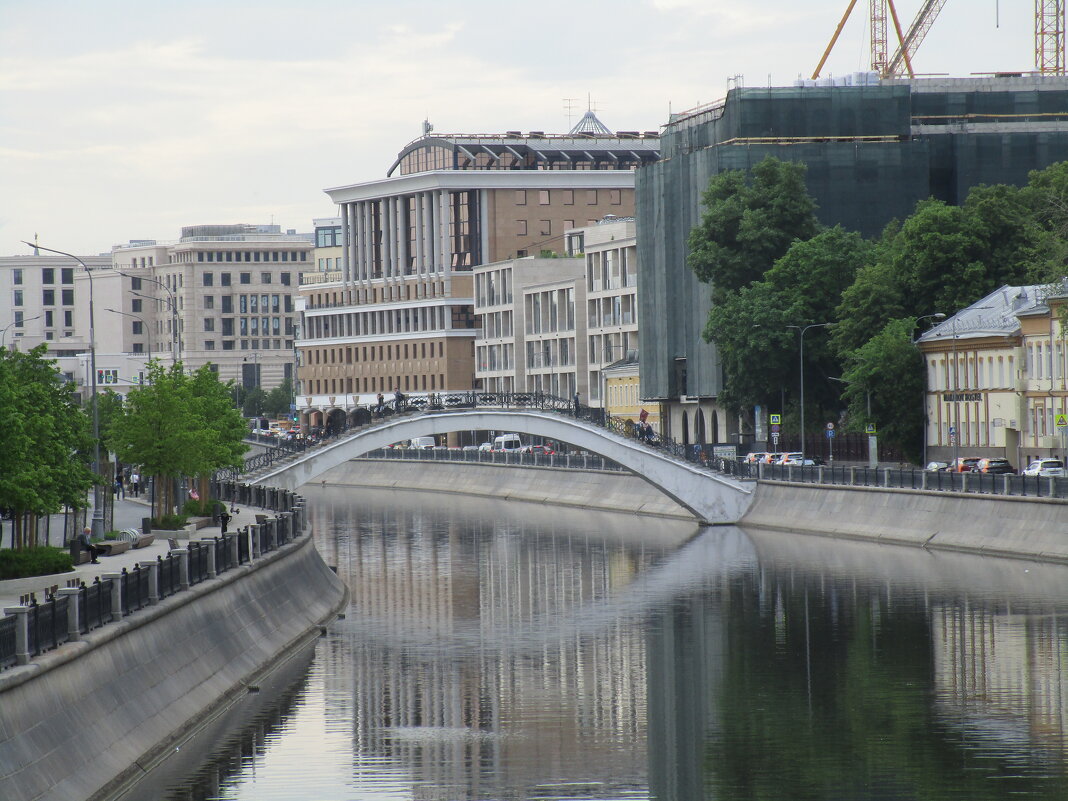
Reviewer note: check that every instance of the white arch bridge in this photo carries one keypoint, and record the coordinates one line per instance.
(711, 497)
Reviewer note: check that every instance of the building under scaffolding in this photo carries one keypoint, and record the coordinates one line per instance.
(873, 148)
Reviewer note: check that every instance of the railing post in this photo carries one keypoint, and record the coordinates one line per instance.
(255, 543)
(116, 593)
(760, 471)
(1052, 487)
(852, 476)
(209, 548)
(886, 478)
(22, 632)
(819, 474)
(1005, 484)
(231, 541)
(923, 480)
(74, 625)
(963, 482)
(183, 567)
(152, 566)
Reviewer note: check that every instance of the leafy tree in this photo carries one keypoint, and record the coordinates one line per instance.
(44, 464)
(279, 399)
(254, 403)
(748, 222)
(750, 327)
(888, 369)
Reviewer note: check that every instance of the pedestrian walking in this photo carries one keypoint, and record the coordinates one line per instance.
(120, 489)
(398, 400)
(576, 400)
(135, 483)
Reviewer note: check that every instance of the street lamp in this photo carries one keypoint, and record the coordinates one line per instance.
(176, 334)
(803, 329)
(926, 417)
(20, 323)
(145, 324)
(98, 505)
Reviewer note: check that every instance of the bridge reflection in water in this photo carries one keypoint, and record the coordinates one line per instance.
(506, 651)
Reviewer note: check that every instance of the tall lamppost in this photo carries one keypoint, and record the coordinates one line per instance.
(98, 505)
(803, 329)
(926, 417)
(176, 334)
(145, 324)
(20, 323)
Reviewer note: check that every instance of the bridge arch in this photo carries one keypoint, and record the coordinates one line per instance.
(711, 498)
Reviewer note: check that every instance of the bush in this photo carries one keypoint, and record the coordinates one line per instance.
(111, 535)
(201, 508)
(170, 522)
(42, 561)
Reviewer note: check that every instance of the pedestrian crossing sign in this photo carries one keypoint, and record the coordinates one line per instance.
(1060, 420)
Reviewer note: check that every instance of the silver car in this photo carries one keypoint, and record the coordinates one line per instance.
(1045, 468)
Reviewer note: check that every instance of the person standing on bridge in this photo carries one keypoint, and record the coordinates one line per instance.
(381, 404)
(398, 400)
(576, 399)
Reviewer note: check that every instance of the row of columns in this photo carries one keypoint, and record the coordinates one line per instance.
(388, 221)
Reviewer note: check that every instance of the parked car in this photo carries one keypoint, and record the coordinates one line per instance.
(771, 458)
(793, 457)
(937, 467)
(544, 450)
(755, 457)
(995, 466)
(964, 464)
(1045, 468)
(797, 460)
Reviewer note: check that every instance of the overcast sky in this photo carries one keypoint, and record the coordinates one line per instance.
(127, 119)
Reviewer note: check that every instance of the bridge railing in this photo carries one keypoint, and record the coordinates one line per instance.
(577, 461)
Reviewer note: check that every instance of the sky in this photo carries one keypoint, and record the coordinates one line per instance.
(128, 119)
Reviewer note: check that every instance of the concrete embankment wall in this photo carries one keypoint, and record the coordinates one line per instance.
(984, 524)
(608, 490)
(90, 715)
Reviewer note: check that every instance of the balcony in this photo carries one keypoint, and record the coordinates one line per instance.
(331, 277)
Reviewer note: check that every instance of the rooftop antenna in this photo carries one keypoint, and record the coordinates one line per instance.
(427, 127)
(569, 106)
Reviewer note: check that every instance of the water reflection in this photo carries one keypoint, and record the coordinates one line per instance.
(495, 650)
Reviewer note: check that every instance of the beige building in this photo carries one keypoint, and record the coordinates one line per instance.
(996, 377)
(401, 313)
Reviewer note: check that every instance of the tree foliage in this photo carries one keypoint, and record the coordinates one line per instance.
(44, 464)
(748, 222)
(178, 425)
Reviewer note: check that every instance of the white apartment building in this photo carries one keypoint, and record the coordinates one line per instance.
(611, 273)
(532, 328)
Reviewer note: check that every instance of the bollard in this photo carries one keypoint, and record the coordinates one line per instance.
(152, 566)
(819, 474)
(22, 632)
(209, 548)
(923, 480)
(116, 593)
(256, 547)
(183, 567)
(760, 471)
(886, 477)
(74, 628)
(852, 476)
(963, 482)
(231, 541)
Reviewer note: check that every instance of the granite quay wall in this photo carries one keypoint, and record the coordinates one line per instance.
(96, 712)
(995, 525)
(591, 489)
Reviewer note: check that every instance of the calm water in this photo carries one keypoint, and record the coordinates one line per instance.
(507, 651)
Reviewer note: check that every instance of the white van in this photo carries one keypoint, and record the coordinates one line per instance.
(507, 442)
(421, 443)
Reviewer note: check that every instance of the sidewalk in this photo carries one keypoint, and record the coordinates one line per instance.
(128, 514)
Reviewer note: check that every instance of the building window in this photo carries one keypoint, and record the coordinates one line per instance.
(209, 279)
(137, 327)
(228, 344)
(246, 278)
(615, 197)
(209, 344)
(138, 347)
(286, 278)
(521, 227)
(135, 305)
(546, 227)
(16, 275)
(18, 297)
(265, 278)
(48, 275)
(227, 326)
(224, 279)
(227, 304)
(67, 275)
(591, 197)
(135, 284)
(543, 197)
(48, 297)
(521, 197)
(68, 319)
(209, 323)
(209, 301)
(49, 319)
(68, 297)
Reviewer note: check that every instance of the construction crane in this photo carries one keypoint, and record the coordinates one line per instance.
(1049, 36)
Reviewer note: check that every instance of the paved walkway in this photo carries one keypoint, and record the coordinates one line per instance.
(128, 514)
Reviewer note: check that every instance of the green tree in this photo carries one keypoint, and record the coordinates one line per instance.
(278, 400)
(748, 222)
(750, 326)
(254, 403)
(44, 464)
(888, 369)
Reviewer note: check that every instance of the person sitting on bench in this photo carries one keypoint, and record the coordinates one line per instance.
(87, 545)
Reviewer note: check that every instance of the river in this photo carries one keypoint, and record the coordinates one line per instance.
(500, 650)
